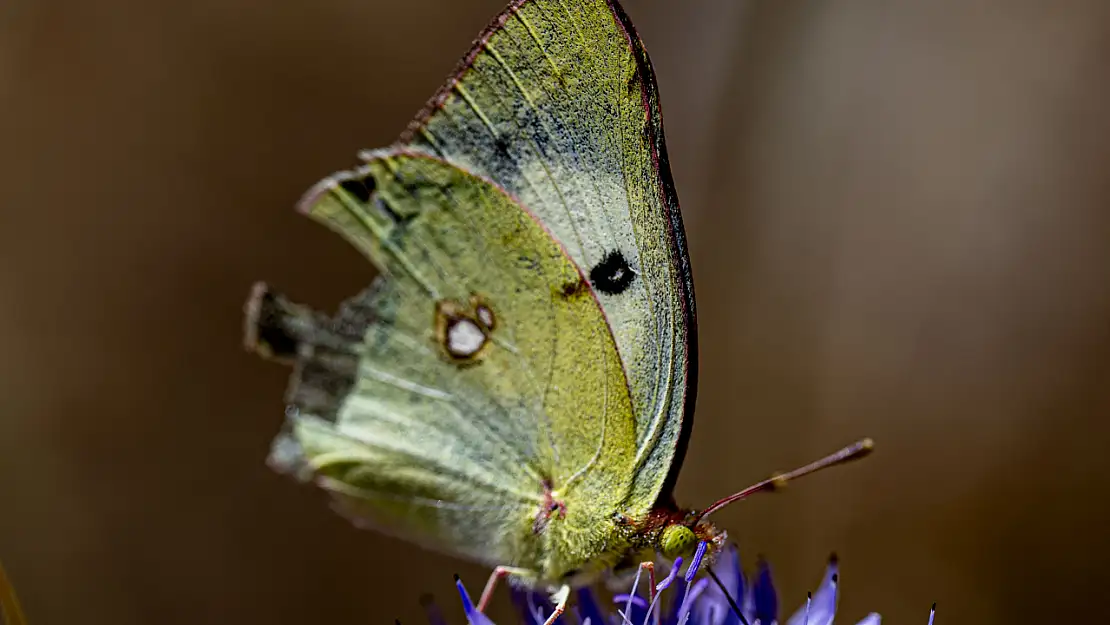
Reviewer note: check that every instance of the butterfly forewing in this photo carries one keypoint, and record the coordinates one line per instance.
(557, 103)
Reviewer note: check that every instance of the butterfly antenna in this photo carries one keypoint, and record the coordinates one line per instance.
(731, 601)
(854, 451)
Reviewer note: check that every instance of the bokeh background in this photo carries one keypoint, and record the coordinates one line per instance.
(898, 217)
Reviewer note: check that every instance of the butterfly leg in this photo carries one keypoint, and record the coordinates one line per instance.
(644, 566)
(650, 568)
(498, 573)
(560, 598)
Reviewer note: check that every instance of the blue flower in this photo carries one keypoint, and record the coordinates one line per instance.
(691, 601)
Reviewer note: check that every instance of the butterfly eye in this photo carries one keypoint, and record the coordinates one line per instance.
(677, 540)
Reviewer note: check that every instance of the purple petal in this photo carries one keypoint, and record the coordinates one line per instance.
(686, 615)
(432, 611)
(472, 614)
(534, 607)
(713, 608)
(823, 607)
(675, 604)
(669, 579)
(588, 608)
(635, 609)
(763, 593)
(871, 619)
(696, 563)
(523, 604)
(637, 600)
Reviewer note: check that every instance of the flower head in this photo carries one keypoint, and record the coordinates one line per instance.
(684, 599)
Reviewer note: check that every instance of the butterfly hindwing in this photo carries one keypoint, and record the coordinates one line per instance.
(485, 370)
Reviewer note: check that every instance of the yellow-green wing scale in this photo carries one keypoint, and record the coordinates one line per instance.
(454, 453)
(557, 103)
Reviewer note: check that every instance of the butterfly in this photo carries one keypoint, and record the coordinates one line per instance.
(517, 387)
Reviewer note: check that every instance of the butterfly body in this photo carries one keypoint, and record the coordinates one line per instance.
(517, 386)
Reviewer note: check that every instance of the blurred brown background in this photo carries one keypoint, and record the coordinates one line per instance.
(898, 218)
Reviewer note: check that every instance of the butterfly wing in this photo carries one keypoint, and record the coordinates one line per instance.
(435, 405)
(557, 103)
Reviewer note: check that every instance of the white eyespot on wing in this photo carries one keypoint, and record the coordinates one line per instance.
(464, 337)
(485, 316)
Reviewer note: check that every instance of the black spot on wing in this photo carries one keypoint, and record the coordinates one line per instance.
(361, 189)
(571, 290)
(612, 275)
(508, 164)
(270, 315)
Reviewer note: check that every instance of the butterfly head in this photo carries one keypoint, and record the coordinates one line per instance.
(681, 537)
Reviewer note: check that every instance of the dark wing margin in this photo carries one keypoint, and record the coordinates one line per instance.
(436, 101)
(679, 253)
